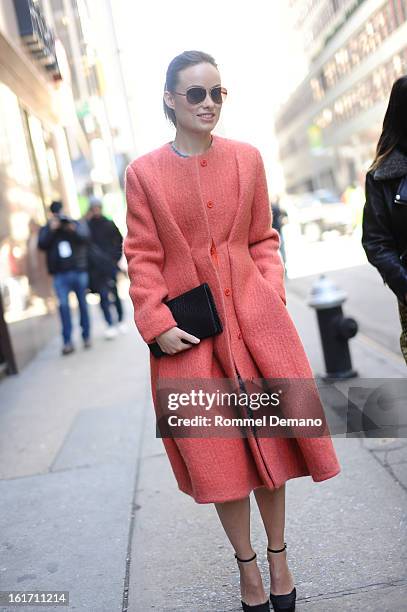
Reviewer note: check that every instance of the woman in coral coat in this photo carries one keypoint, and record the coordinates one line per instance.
(198, 211)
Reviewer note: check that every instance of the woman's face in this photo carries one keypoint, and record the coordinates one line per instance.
(204, 75)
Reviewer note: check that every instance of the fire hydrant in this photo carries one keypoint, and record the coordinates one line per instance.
(335, 329)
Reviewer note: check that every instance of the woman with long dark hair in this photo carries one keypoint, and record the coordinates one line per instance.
(384, 235)
(198, 212)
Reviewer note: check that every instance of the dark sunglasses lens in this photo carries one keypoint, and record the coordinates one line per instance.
(216, 95)
(195, 95)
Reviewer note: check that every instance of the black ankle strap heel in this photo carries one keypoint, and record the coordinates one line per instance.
(246, 560)
(285, 602)
(263, 607)
(277, 550)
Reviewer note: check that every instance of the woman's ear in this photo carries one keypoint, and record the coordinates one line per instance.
(169, 99)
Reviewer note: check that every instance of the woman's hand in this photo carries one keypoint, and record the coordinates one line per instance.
(171, 341)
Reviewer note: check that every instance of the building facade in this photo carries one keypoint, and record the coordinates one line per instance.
(34, 170)
(328, 128)
(86, 30)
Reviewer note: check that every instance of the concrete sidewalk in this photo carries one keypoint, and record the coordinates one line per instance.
(70, 438)
(89, 503)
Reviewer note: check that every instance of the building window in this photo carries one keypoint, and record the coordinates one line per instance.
(364, 42)
(368, 92)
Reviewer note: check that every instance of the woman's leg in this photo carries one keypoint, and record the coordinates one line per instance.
(271, 504)
(105, 302)
(235, 518)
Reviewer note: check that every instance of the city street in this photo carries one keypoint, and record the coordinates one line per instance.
(127, 164)
(89, 504)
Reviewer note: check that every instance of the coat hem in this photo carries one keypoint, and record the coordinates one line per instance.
(326, 475)
(223, 499)
(218, 500)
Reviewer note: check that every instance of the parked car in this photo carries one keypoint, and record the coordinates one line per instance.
(318, 212)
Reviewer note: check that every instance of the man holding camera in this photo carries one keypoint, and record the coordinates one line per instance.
(65, 241)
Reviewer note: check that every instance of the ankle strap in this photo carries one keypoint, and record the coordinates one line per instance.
(274, 550)
(246, 560)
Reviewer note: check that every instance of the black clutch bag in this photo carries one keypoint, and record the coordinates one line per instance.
(195, 312)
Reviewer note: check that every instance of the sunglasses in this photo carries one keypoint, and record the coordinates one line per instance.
(196, 95)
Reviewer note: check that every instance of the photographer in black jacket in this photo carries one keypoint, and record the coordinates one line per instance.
(384, 226)
(65, 241)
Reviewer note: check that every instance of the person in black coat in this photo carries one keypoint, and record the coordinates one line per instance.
(384, 225)
(279, 216)
(65, 242)
(104, 253)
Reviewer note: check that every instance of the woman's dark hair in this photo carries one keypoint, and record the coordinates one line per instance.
(181, 61)
(395, 122)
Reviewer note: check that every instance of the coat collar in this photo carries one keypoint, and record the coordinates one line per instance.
(393, 166)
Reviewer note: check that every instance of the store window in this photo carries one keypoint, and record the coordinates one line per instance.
(16, 163)
(28, 183)
(41, 143)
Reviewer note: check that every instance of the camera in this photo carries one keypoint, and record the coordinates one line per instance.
(64, 219)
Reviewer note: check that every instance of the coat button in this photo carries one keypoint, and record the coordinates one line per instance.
(227, 291)
(239, 335)
(203, 162)
(210, 204)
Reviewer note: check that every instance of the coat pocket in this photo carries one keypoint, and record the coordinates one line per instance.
(268, 284)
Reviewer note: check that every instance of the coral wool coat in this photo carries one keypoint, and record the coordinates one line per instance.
(206, 218)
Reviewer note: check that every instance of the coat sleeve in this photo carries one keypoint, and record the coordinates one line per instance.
(116, 243)
(45, 237)
(378, 241)
(145, 258)
(264, 240)
(81, 233)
